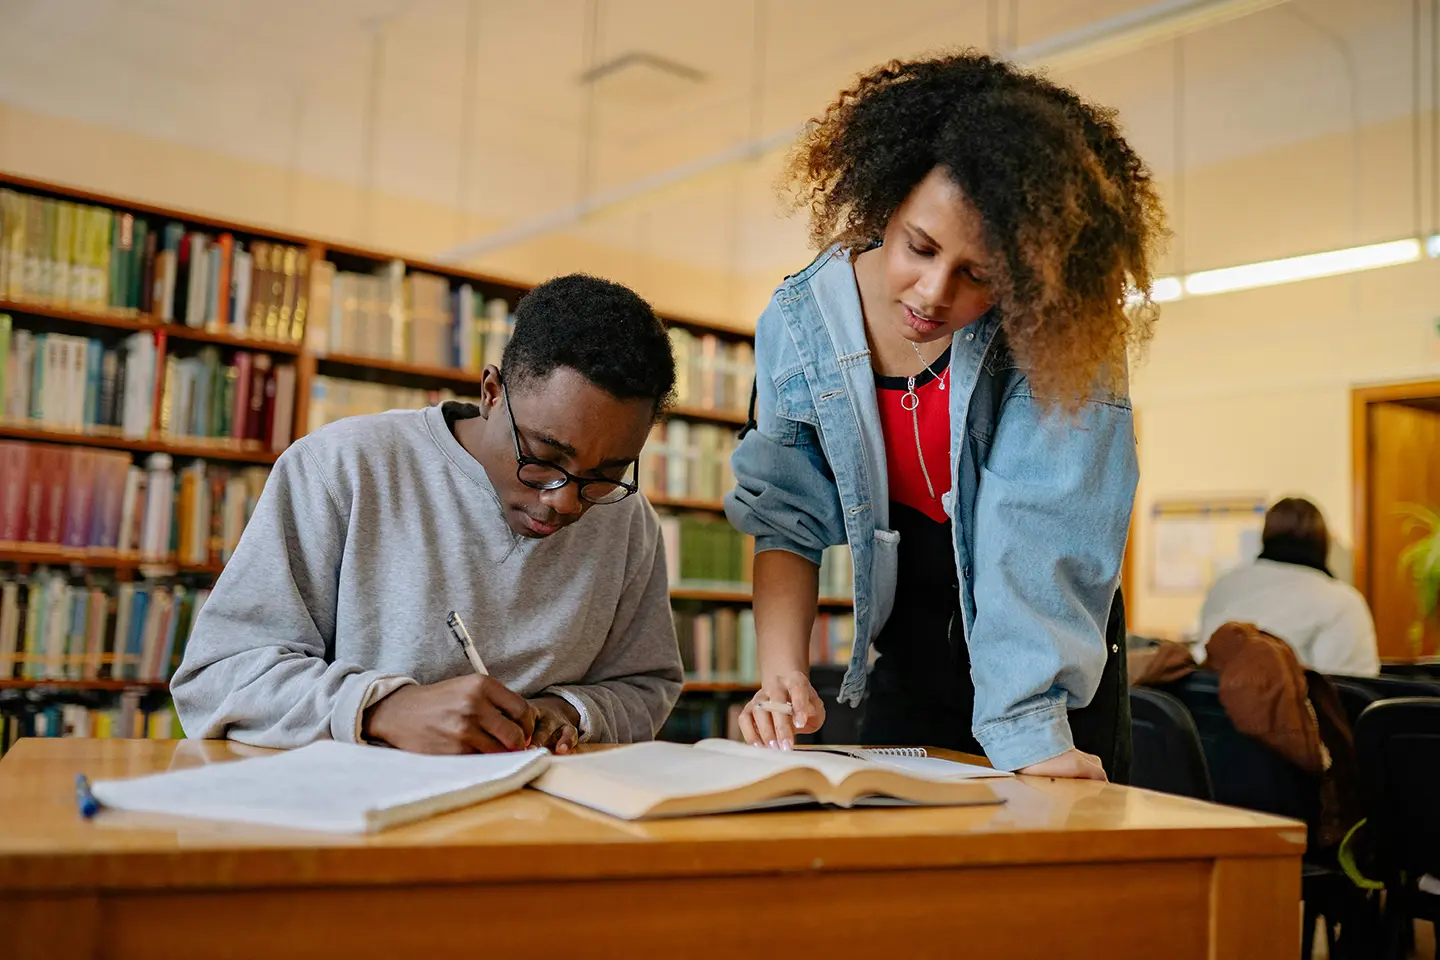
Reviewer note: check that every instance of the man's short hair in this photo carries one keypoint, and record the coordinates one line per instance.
(601, 329)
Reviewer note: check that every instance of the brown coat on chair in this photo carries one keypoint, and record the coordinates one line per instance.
(1265, 694)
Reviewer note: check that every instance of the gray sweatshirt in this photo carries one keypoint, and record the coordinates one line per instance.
(369, 532)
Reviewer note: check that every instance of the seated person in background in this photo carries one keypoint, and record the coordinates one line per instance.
(330, 619)
(1288, 592)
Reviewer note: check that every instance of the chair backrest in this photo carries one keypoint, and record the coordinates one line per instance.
(1243, 771)
(842, 723)
(1398, 744)
(1357, 693)
(1427, 669)
(1167, 754)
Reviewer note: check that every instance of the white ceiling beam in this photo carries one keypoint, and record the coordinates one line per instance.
(1102, 40)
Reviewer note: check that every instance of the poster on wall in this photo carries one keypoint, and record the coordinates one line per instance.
(1199, 540)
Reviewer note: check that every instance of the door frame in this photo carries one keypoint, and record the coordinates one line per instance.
(1361, 399)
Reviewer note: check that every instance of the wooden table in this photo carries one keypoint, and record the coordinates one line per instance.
(1062, 869)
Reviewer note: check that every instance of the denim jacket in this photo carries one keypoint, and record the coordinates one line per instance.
(1038, 540)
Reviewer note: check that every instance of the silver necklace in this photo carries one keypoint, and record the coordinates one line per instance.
(921, 357)
(910, 402)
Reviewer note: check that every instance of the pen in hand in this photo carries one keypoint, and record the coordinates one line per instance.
(462, 637)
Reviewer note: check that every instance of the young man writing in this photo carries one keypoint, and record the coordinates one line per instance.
(517, 514)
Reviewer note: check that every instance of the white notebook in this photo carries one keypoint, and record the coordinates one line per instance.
(329, 786)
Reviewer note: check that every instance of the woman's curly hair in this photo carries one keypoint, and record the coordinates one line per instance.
(1071, 216)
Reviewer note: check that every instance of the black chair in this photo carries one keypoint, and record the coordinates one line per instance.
(842, 723)
(1243, 771)
(1398, 744)
(1167, 753)
(1357, 693)
(1426, 669)
(1246, 773)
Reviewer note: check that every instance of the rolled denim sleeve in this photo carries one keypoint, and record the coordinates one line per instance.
(785, 494)
(1051, 519)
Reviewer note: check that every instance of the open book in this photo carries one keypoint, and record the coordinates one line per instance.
(719, 776)
(336, 787)
(914, 760)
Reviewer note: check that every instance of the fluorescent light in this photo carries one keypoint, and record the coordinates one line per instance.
(1432, 245)
(1308, 267)
(1165, 289)
(1162, 290)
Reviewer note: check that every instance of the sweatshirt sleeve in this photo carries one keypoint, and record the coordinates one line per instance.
(259, 666)
(633, 684)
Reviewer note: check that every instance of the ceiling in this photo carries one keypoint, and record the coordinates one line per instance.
(381, 93)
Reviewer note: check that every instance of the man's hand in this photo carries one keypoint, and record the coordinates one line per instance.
(557, 725)
(468, 714)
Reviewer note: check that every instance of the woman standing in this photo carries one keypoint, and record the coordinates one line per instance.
(944, 388)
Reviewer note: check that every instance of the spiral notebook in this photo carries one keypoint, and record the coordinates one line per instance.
(913, 760)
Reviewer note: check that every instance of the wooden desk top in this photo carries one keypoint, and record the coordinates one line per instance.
(45, 845)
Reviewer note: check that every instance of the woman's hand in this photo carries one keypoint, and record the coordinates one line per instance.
(1072, 764)
(777, 730)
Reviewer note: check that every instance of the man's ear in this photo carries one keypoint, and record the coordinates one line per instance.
(490, 390)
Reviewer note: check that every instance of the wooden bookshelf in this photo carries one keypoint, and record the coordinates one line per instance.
(722, 417)
(719, 684)
(59, 557)
(686, 503)
(447, 376)
(743, 596)
(134, 322)
(84, 684)
(228, 450)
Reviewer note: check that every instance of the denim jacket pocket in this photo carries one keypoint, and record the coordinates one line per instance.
(794, 410)
(884, 574)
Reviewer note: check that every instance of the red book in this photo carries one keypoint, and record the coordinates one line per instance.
(260, 372)
(81, 480)
(268, 417)
(35, 493)
(159, 385)
(240, 416)
(14, 466)
(55, 473)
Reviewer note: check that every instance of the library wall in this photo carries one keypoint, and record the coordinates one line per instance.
(170, 174)
(1249, 393)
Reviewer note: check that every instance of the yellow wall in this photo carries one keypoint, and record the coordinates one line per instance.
(168, 174)
(1248, 393)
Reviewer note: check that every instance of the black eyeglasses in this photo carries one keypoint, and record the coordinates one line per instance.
(544, 475)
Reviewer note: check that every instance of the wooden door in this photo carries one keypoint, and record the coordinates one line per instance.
(1403, 467)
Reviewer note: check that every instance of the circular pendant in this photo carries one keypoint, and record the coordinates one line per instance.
(914, 401)
(942, 386)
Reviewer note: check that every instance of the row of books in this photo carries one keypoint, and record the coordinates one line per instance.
(718, 643)
(712, 373)
(53, 627)
(335, 398)
(705, 550)
(414, 317)
(74, 383)
(86, 257)
(129, 716)
(100, 504)
(687, 460)
(832, 638)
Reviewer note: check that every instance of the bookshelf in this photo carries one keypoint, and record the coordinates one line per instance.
(315, 360)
